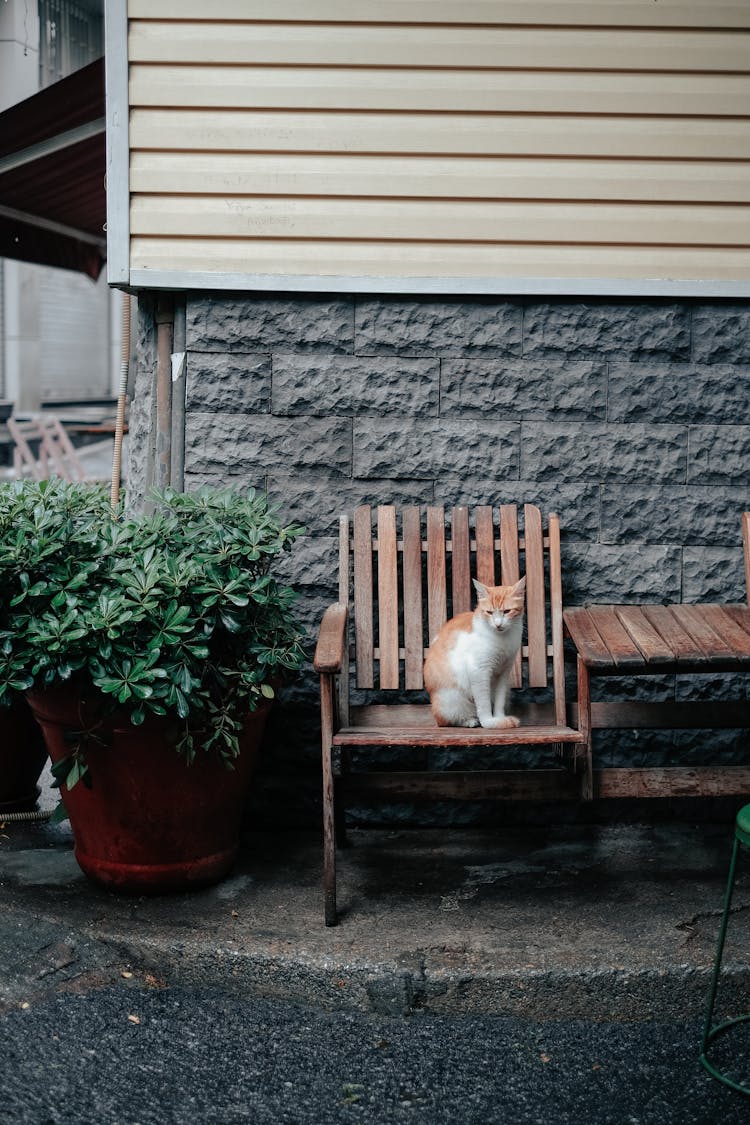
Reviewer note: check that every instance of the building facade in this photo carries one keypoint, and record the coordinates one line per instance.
(59, 331)
(448, 253)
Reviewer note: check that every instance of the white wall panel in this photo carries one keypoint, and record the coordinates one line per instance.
(482, 140)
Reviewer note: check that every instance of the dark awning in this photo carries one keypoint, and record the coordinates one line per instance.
(52, 168)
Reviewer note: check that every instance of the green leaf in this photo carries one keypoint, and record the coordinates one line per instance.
(59, 814)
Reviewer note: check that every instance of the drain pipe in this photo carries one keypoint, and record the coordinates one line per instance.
(164, 351)
(38, 816)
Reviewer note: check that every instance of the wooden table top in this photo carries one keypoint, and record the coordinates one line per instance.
(612, 639)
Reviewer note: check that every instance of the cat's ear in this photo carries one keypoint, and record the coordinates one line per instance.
(482, 591)
(520, 586)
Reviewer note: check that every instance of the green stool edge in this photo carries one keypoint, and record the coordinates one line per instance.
(742, 825)
(713, 1070)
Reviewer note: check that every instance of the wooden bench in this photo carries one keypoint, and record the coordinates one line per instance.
(624, 641)
(401, 575)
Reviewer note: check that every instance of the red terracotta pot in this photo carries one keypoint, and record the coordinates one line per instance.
(150, 822)
(22, 757)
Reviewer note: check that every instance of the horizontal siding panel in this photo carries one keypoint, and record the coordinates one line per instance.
(442, 139)
(699, 95)
(190, 173)
(623, 13)
(430, 221)
(430, 46)
(243, 130)
(416, 260)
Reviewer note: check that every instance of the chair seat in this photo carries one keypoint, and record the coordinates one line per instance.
(388, 724)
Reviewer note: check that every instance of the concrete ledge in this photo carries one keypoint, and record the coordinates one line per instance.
(613, 922)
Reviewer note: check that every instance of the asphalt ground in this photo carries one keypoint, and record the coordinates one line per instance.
(141, 1054)
(536, 973)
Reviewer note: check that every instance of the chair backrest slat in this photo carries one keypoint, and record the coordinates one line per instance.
(484, 531)
(387, 597)
(411, 523)
(343, 559)
(415, 587)
(363, 626)
(535, 610)
(460, 561)
(510, 567)
(556, 617)
(437, 602)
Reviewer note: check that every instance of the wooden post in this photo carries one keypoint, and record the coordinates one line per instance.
(584, 726)
(164, 348)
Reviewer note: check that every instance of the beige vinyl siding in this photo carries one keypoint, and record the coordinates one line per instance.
(472, 140)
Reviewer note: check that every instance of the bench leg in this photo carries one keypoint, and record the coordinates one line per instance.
(339, 814)
(584, 726)
(329, 806)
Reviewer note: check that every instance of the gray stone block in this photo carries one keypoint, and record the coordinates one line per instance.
(677, 393)
(678, 515)
(631, 329)
(524, 389)
(721, 332)
(713, 574)
(261, 443)
(225, 381)
(354, 385)
(308, 610)
(712, 685)
(225, 478)
(577, 505)
(437, 327)
(596, 452)
(318, 505)
(144, 359)
(433, 447)
(654, 689)
(710, 748)
(266, 324)
(604, 574)
(634, 749)
(313, 561)
(719, 455)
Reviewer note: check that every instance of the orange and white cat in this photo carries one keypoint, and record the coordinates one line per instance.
(467, 669)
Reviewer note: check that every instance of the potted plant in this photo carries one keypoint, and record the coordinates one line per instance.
(149, 646)
(23, 755)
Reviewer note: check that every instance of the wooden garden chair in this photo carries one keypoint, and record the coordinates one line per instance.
(402, 573)
(56, 455)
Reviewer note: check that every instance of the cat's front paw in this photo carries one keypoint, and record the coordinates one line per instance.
(503, 722)
(472, 723)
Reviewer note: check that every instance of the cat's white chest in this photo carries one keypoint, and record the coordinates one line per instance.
(482, 651)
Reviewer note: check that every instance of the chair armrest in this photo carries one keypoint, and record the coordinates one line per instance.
(329, 651)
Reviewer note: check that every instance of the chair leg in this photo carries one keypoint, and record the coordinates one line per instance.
(329, 803)
(340, 767)
(329, 841)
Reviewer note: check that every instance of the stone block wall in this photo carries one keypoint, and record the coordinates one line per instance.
(630, 418)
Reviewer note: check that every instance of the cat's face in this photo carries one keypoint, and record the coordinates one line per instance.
(499, 606)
